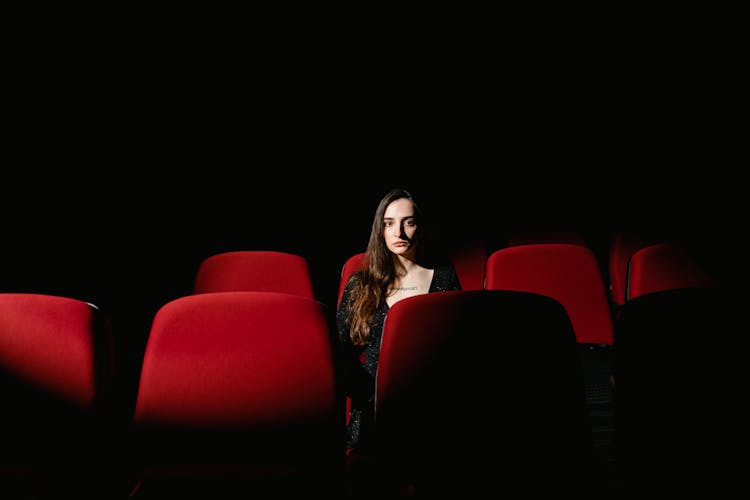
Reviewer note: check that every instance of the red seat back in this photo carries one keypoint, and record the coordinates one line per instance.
(623, 246)
(236, 358)
(470, 262)
(568, 273)
(664, 266)
(241, 383)
(254, 270)
(57, 379)
(56, 344)
(444, 356)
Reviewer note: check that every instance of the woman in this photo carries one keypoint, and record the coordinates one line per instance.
(390, 272)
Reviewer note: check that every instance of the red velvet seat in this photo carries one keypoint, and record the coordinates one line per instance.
(622, 247)
(254, 270)
(568, 273)
(664, 266)
(470, 374)
(237, 391)
(678, 383)
(56, 380)
(470, 261)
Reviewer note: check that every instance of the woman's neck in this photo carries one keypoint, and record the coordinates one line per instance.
(407, 266)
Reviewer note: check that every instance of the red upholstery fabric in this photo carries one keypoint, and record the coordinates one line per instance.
(237, 398)
(623, 246)
(251, 270)
(444, 357)
(237, 359)
(57, 372)
(470, 262)
(430, 320)
(664, 266)
(568, 273)
(679, 374)
(49, 342)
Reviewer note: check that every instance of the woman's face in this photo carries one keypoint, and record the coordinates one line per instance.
(399, 227)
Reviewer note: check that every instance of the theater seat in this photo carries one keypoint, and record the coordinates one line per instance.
(468, 380)
(622, 247)
(237, 394)
(56, 384)
(470, 261)
(570, 274)
(664, 266)
(679, 382)
(254, 270)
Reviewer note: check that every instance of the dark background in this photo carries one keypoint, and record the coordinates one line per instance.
(126, 163)
(130, 242)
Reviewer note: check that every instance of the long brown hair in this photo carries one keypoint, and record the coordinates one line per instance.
(379, 270)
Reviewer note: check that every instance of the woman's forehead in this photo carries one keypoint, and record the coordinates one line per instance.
(399, 209)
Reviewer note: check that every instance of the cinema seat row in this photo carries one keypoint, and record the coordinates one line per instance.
(238, 388)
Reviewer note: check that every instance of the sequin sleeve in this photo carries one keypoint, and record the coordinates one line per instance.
(342, 313)
(445, 279)
(357, 382)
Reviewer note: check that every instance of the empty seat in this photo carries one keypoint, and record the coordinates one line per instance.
(56, 384)
(468, 380)
(254, 270)
(570, 274)
(664, 266)
(678, 387)
(470, 262)
(237, 392)
(622, 247)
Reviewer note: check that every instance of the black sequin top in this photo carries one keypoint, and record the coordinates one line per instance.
(359, 378)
